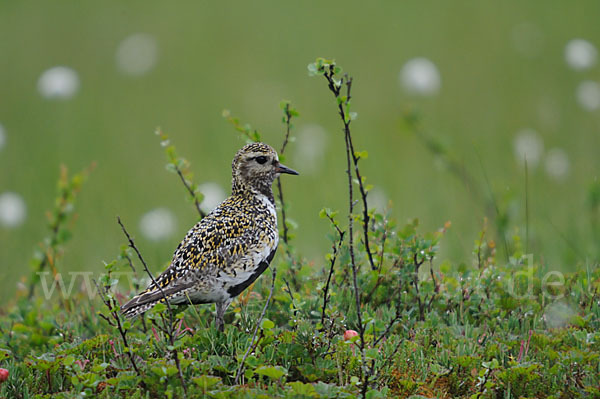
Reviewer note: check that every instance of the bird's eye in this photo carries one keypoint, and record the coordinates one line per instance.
(261, 159)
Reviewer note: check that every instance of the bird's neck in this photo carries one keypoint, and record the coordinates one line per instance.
(247, 190)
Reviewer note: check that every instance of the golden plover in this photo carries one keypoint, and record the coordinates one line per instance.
(227, 250)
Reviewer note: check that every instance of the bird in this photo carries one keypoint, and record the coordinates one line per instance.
(229, 248)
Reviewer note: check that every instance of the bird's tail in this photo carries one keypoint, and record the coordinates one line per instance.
(143, 302)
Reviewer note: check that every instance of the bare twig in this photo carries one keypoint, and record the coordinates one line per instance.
(191, 191)
(436, 286)
(335, 250)
(416, 284)
(170, 330)
(136, 284)
(343, 109)
(289, 291)
(343, 105)
(176, 163)
(288, 117)
(111, 304)
(258, 323)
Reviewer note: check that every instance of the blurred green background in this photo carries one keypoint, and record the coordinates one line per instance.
(141, 64)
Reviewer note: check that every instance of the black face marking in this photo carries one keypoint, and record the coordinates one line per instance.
(261, 159)
(262, 266)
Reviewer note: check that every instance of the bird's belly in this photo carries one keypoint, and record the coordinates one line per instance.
(207, 290)
(219, 287)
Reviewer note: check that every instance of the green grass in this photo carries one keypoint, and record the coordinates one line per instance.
(484, 331)
(425, 327)
(247, 57)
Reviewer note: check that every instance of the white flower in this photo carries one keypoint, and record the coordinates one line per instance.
(528, 146)
(12, 209)
(420, 76)
(213, 196)
(557, 164)
(59, 82)
(378, 199)
(158, 224)
(588, 95)
(558, 314)
(580, 54)
(137, 54)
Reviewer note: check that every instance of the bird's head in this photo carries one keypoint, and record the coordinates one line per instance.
(255, 167)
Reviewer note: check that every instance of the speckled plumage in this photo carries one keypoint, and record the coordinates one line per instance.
(228, 249)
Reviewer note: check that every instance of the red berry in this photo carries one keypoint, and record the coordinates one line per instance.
(349, 334)
(3, 375)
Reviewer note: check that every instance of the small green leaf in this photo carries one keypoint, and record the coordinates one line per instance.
(206, 381)
(267, 324)
(303, 389)
(69, 360)
(371, 353)
(323, 213)
(273, 372)
(361, 154)
(159, 307)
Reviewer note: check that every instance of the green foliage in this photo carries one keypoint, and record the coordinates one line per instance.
(181, 167)
(427, 327)
(50, 250)
(246, 131)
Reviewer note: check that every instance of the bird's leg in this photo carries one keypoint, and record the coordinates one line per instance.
(221, 307)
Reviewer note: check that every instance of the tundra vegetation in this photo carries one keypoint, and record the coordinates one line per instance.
(379, 316)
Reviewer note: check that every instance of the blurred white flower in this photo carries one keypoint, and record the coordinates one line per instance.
(528, 145)
(12, 209)
(2, 136)
(588, 95)
(528, 39)
(309, 148)
(58, 82)
(158, 224)
(213, 196)
(137, 54)
(558, 314)
(557, 164)
(420, 76)
(580, 54)
(378, 199)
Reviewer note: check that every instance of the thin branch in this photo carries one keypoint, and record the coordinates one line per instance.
(258, 323)
(383, 239)
(436, 286)
(289, 290)
(288, 127)
(393, 321)
(416, 284)
(112, 305)
(343, 107)
(343, 104)
(192, 193)
(132, 245)
(336, 246)
(170, 330)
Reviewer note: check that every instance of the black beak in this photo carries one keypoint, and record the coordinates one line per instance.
(284, 169)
